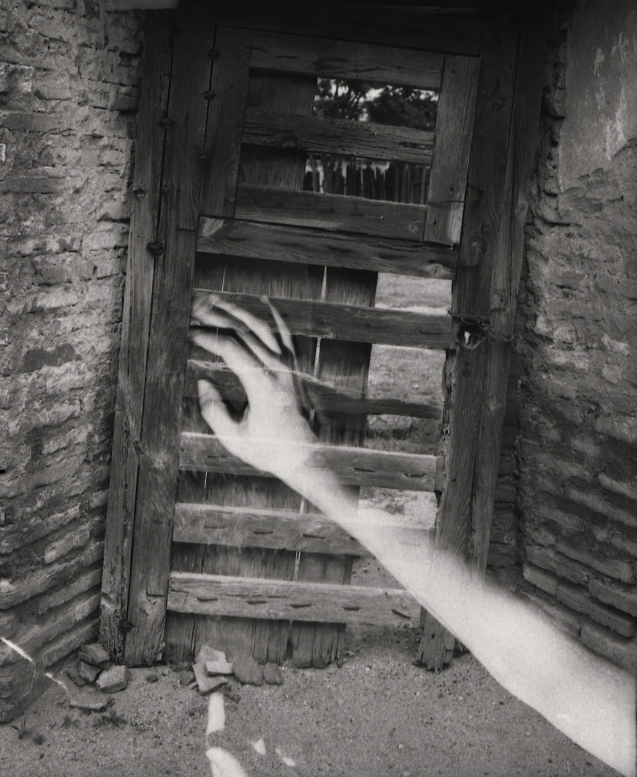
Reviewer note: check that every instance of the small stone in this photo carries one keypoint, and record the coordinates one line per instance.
(73, 673)
(89, 699)
(207, 653)
(152, 677)
(113, 679)
(231, 692)
(272, 674)
(207, 684)
(87, 671)
(247, 671)
(95, 655)
(185, 676)
(215, 667)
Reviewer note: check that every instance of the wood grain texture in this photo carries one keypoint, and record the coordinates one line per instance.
(282, 599)
(354, 466)
(487, 171)
(265, 528)
(165, 371)
(352, 323)
(506, 271)
(307, 246)
(325, 398)
(135, 332)
(454, 124)
(415, 28)
(506, 207)
(267, 640)
(229, 87)
(338, 136)
(332, 212)
(348, 60)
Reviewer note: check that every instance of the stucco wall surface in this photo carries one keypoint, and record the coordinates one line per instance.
(68, 92)
(577, 445)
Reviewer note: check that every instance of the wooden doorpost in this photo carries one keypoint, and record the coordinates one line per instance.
(165, 368)
(140, 271)
(485, 293)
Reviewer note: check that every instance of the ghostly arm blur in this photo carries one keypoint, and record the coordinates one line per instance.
(587, 698)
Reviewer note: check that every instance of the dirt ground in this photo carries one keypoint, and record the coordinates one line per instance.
(376, 715)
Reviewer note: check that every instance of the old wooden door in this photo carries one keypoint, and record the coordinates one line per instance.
(200, 549)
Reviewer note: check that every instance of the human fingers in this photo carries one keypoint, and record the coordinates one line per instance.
(239, 359)
(214, 411)
(286, 335)
(210, 305)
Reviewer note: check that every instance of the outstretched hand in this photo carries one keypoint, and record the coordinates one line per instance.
(272, 435)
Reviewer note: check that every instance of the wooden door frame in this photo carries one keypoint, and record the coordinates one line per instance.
(491, 252)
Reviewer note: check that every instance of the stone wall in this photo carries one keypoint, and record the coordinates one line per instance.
(69, 73)
(576, 394)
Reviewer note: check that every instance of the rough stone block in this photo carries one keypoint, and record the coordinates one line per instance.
(606, 643)
(272, 674)
(624, 599)
(247, 670)
(621, 570)
(8, 624)
(113, 679)
(79, 536)
(579, 599)
(216, 667)
(548, 559)
(87, 672)
(540, 579)
(89, 699)
(95, 655)
(205, 683)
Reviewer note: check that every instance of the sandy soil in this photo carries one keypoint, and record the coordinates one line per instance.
(375, 715)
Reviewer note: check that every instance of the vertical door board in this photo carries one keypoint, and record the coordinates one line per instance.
(219, 169)
(454, 125)
(190, 78)
(497, 281)
(135, 330)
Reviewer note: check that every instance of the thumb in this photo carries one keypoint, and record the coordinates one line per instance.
(214, 411)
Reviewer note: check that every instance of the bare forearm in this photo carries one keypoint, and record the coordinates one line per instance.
(586, 697)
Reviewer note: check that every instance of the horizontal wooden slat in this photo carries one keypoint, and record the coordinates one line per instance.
(386, 24)
(259, 528)
(337, 136)
(332, 212)
(285, 600)
(354, 466)
(324, 397)
(300, 245)
(334, 321)
(340, 59)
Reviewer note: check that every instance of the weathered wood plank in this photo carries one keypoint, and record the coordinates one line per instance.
(325, 397)
(262, 528)
(316, 246)
(340, 59)
(504, 212)
(266, 640)
(354, 466)
(352, 323)
(229, 88)
(415, 28)
(507, 268)
(483, 221)
(337, 136)
(285, 600)
(454, 124)
(332, 212)
(135, 332)
(152, 535)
